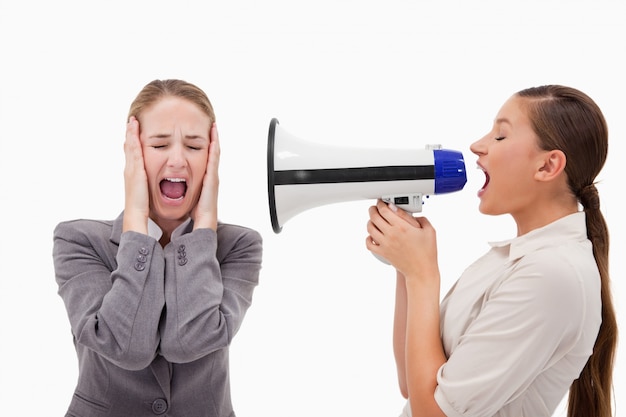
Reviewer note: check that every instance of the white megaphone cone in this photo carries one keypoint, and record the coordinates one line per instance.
(302, 175)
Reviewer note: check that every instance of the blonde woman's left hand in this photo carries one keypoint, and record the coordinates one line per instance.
(204, 214)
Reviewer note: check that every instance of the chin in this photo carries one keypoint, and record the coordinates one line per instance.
(485, 209)
(179, 213)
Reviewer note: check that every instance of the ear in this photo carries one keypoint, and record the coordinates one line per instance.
(551, 165)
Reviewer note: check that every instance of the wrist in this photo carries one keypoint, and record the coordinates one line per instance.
(205, 223)
(135, 222)
(423, 281)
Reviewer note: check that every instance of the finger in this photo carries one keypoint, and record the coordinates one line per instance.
(374, 232)
(213, 161)
(132, 129)
(393, 212)
(214, 142)
(423, 222)
(371, 245)
(214, 135)
(377, 219)
(388, 211)
(132, 133)
(132, 144)
(403, 214)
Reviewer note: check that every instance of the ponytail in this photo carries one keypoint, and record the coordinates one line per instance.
(591, 394)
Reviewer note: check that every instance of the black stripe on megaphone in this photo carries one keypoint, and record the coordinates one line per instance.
(360, 174)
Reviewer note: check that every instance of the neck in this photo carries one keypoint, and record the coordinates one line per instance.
(167, 227)
(541, 216)
(165, 239)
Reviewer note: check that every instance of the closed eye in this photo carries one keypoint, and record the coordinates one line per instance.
(500, 137)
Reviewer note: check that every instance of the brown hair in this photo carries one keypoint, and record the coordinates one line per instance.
(157, 89)
(567, 119)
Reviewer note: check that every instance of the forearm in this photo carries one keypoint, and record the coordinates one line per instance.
(131, 310)
(205, 300)
(205, 222)
(399, 333)
(113, 310)
(135, 221)
(194, 324)
(424, 349)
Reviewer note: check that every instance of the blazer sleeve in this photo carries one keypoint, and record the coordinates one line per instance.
(210, 279)
(113, 296)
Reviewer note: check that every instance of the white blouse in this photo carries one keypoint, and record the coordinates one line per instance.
(520, 323)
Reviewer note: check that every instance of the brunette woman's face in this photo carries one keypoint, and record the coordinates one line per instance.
(175, 143)
(510, 156)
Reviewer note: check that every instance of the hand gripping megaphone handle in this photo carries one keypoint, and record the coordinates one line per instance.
(411, 203)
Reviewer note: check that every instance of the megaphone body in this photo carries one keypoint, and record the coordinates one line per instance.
(302, 175)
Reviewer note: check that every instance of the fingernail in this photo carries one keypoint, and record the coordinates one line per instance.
(393, 207)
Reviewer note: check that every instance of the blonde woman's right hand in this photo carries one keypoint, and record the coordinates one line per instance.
(136, 206)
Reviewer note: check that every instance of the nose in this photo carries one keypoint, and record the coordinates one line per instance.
(176, 157)
(479, 147)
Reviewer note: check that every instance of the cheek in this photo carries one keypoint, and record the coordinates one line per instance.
(152, 165)
(199, 166)
(509, 161)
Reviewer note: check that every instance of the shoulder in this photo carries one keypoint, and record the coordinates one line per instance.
(565, 264)
(235, 239)
(82, 229)
(562, 278)
(83, 238)
(228, 231)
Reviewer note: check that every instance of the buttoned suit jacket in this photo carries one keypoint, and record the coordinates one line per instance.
(152, 325)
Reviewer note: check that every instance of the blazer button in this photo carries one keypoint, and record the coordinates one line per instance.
(142, 258)
(182, 255)
(159, 406)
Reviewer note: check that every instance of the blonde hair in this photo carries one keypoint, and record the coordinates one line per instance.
(157, 89)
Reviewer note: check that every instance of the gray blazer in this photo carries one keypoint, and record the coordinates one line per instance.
(152, 325)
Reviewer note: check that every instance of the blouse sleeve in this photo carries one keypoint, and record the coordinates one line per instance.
(528, 321)
(210, 279)
(113, 297)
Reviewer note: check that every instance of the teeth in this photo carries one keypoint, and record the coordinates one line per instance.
(175, 179)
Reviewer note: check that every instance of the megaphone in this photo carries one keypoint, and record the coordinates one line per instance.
(302, 175)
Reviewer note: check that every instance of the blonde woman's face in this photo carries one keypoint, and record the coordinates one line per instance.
(174, 134)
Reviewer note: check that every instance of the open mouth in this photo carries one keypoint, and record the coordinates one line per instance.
(173, 188)
(486, 177)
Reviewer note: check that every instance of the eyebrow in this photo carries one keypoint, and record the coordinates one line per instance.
(195, 137)
(502, 120)
(167, 135)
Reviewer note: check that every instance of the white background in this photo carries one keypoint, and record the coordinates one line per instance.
(317, 339)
